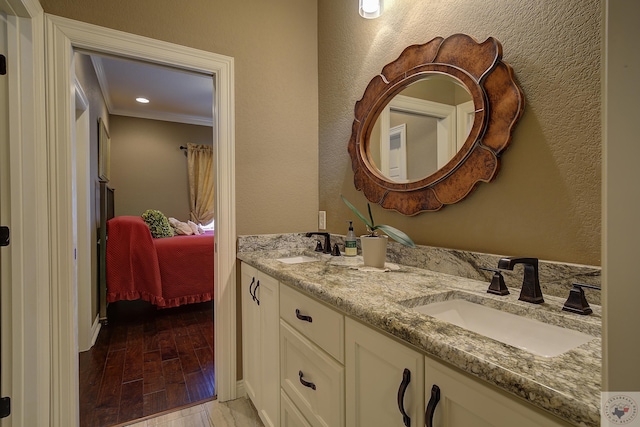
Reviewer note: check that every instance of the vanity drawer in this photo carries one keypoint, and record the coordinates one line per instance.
(289, 414)
(311, 379)
(319, 323)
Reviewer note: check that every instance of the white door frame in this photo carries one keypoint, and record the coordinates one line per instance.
(62, 37)
(88, 327)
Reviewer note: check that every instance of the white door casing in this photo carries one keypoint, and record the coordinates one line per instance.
(62, 37)
(88, 325)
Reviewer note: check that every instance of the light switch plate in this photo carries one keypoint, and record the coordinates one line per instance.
(322, 220)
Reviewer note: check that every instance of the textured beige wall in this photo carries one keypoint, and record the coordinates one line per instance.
(274, 45)
(148, 169)
(545, 202)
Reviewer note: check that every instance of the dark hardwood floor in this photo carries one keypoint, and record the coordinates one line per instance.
(147, 361)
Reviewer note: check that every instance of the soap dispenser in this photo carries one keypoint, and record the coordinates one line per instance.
(350, 243)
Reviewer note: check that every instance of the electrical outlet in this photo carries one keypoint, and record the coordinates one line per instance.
(322, 220)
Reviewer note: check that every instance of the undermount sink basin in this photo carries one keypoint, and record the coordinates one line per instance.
(531, 335)
(298, 259)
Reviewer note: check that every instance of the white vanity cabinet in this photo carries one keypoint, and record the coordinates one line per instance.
(465, 401)
(332, 371)
(260, 337)
(385, 380)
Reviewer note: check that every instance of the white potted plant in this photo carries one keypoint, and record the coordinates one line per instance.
(374, 246)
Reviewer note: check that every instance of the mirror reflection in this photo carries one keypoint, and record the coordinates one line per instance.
(421, 128)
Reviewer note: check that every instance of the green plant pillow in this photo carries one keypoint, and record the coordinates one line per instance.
(158, 223)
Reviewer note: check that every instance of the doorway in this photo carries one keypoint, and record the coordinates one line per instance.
(145, 360)
(65, 37)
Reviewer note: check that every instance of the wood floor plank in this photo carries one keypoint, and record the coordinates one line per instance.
(199, 386)
(205, 358)
(187, 355)
(198, 339)
(118, 338)
(131, 401)
(133, 365)
(167, 345)
(172, 371)
(153, 377)
(177, 395)
(104, 417)
(154, 403)
(112, 381)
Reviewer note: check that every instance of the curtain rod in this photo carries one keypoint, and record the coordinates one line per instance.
(182, 147)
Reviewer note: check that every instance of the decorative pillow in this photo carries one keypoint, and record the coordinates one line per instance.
(158, 223)
(180, 227)
(194, 227)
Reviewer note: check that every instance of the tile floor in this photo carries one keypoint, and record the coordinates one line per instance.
(235, 413)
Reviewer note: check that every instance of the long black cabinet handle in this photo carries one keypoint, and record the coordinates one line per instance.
(431, 406)
(255, 290)
(406, 379)
(253, 281)
(311, 385)
(303, 317)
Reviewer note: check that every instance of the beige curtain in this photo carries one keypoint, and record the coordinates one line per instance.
(200, 169)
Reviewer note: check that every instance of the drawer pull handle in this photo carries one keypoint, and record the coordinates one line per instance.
(253, 281)
(256, 290)
(303, 317)
(431, 406)
(312, 386)
(406, 379)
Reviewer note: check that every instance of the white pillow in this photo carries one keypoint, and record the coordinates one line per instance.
(194, 228)
(181, 227)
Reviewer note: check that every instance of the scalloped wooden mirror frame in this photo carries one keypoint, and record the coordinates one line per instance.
(498, 103)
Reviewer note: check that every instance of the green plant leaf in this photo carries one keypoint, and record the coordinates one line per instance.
(373, 228)
(396, 235)
(357, 212)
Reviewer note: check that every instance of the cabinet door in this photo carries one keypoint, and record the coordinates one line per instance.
(269, 355)
(377, 388)
(465, 401)
(250, 334)
(260, 343)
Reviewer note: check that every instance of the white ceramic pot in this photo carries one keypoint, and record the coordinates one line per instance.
(374, 250)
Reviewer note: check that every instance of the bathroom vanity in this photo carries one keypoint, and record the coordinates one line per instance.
(353, 352)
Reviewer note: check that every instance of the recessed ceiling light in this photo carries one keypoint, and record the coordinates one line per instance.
(142, 100)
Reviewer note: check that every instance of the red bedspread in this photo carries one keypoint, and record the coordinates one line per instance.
(167, 272)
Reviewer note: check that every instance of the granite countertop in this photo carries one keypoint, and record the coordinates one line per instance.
(567, 385)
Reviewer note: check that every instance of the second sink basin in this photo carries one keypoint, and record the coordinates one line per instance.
(531, 335)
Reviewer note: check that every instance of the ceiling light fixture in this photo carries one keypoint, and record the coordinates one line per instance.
(370, 9)
(142, 100)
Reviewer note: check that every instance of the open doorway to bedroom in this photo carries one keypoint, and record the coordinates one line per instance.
(151, 348)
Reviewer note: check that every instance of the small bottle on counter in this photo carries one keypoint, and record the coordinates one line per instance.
(350, 242)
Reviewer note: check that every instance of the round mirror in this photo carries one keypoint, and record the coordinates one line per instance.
(422, 128)
(457, 100)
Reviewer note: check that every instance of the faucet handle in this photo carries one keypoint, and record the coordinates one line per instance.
(577, 302)
(318, 246)
(497, 285)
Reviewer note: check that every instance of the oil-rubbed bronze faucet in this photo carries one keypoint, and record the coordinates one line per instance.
(327, 241)
(531, 291)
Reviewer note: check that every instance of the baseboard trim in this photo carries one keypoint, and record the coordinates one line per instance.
(95, 330)
(240, 391)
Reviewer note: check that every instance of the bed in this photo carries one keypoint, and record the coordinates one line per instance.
(167, 272)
